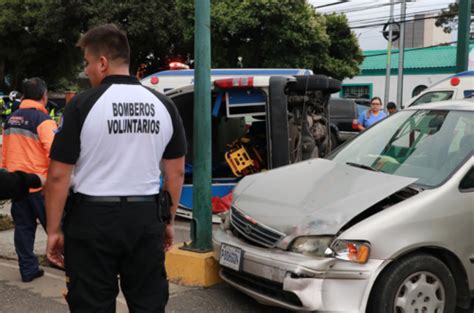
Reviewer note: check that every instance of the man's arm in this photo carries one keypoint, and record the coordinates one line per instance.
(361, 121)
(173, 182)
(56, 192)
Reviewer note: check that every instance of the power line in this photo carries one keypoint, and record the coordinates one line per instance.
(331, 4)
(373, 6)
(398, 18)
(413, 8)
(432, 11)
(350, 8)
(368, 7)
(400, 22)
(383, 18)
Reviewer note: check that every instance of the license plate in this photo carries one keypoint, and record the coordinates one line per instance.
(230, 257)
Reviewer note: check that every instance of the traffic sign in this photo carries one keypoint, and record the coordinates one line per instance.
(395, 31)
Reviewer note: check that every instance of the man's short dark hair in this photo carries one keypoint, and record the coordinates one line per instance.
(107, 40)
(391, 105)
(34, 88)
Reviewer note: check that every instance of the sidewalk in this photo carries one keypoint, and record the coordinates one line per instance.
(45, 294)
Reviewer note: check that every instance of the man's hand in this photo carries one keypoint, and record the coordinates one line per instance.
(55, 249)
(56, 192)
(169, 235)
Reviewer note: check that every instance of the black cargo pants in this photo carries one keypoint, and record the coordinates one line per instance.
(104, 240)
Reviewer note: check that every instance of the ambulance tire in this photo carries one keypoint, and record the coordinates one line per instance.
(306, 83)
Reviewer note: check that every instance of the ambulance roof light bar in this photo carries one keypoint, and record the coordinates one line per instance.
(178, 66)
(232, 83)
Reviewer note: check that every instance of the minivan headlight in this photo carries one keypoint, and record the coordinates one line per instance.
(311, 245)
(350, 250)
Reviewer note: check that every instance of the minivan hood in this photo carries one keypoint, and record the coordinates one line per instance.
(315, 197)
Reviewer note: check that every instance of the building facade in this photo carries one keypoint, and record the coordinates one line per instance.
(422, 68)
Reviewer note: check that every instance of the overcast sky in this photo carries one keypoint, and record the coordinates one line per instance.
(364, 12)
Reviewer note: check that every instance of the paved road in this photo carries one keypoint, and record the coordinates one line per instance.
(45, 294)
(14, 299)
(219, 298)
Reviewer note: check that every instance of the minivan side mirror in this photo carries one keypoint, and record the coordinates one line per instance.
(467, 183)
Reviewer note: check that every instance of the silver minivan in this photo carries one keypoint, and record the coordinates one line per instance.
(385, 225)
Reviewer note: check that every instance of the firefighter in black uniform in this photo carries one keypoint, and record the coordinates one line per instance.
(113, 138)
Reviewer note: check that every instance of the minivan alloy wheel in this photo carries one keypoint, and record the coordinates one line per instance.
(415, 283)
(421, 292)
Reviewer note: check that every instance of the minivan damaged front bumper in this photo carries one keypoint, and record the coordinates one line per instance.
(298, 282)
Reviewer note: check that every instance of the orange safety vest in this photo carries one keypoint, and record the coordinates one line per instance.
(27, 138)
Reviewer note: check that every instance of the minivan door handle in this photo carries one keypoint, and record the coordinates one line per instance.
(471, 259)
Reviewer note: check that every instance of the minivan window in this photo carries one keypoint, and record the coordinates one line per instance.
(425, 144)
(433, 97)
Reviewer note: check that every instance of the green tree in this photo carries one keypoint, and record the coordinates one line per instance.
(344, 55)
(37, 38)
(448, 17)
(272, 33)
(154, 33)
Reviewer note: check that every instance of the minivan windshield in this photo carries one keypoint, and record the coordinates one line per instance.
(424, 144)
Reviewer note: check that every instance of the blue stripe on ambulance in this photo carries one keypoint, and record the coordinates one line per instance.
(217, 190)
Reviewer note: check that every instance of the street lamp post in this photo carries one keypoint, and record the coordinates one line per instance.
(201, 227)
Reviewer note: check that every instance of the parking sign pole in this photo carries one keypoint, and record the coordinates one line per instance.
(462, 55)
(401, 55)
(201, 227)
(389, 55)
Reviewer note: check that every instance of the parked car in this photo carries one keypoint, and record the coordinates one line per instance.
(385, 225)
(344, 115)
(458, 86)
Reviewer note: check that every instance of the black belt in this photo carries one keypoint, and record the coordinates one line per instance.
(87, 198)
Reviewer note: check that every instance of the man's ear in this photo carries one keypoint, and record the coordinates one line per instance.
(104, 63)
(44, 98)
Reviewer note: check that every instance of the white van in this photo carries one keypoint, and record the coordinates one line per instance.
(168, 80)
(458, 86)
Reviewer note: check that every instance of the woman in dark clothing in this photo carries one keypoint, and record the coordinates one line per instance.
(17, 184)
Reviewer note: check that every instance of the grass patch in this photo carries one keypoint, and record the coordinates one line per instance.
(6, 222)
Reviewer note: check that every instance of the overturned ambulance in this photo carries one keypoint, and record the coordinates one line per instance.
(258, 123)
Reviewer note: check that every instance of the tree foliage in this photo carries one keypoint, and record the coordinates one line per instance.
(154, 33)
(344, 55)
(37, 38)
(448, 17)
(271, 33)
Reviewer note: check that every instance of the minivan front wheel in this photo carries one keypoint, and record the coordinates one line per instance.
(419, 283)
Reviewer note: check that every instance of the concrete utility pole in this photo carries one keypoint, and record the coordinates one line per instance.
(389, 54)
(201, 227)
(462, 55)
(401, 54)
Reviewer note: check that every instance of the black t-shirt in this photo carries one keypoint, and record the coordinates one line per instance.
(116, 135)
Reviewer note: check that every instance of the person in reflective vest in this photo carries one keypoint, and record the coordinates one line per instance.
(27, 137)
